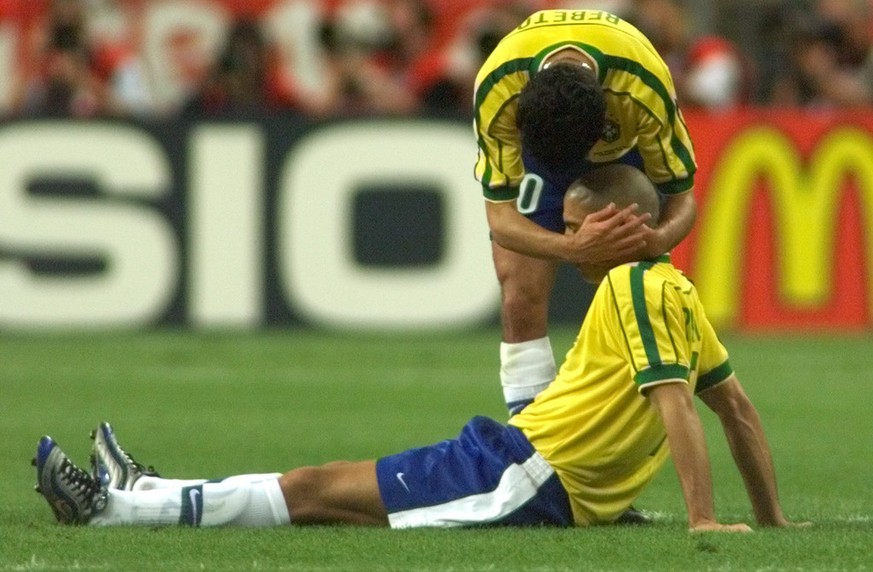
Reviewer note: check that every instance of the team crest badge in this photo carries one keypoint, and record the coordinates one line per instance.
(611, 131)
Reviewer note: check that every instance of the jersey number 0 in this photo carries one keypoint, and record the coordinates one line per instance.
(529, 193)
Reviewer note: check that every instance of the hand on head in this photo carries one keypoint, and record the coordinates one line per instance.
(609, 214)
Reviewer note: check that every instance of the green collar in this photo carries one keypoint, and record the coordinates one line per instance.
(662, 258)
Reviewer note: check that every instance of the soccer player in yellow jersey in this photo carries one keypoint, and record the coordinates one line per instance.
(646, 334)
(578, 455)
(566, 91)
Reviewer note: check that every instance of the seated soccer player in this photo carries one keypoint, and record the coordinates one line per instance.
(578, 455)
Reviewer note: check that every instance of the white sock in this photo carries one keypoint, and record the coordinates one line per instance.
(526, 368)
(234, 501)
(148, 483)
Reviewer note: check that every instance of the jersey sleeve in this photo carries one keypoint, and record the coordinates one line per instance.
(652, 323)
(499, 167)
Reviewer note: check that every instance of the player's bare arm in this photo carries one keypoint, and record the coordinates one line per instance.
(745, 435)
(608, 234)
(685, 436)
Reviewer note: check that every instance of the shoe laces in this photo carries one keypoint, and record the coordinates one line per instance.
(79, 482)
(145, 470)
(76, 477)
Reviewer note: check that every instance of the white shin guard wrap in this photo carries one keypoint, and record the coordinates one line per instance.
(526, 368)
(233, 502)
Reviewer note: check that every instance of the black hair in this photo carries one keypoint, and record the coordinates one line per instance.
(561, 115)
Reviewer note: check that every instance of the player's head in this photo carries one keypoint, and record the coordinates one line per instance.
(561, 115)
(621, 185)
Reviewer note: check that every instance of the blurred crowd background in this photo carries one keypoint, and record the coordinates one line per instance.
(328, 58)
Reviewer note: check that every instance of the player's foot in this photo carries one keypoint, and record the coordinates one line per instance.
(73, 495)
(112, 465)
(633, 516)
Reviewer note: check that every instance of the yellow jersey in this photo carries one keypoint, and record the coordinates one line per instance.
(593, 424)
(641, 109)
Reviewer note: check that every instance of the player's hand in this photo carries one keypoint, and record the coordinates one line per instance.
(611, 235)
(718, 527)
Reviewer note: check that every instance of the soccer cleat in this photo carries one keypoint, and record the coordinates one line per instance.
(112, 465)
(73, 495)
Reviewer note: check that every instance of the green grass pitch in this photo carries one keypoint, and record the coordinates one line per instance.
(198, 405)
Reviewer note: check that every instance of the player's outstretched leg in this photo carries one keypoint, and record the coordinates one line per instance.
(111, 464)
(77, 497)
(73, 495)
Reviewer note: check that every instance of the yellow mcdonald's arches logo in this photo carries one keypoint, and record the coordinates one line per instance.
(805, 193)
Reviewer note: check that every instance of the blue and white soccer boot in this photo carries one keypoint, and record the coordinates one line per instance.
(73, 495)
(114, 467)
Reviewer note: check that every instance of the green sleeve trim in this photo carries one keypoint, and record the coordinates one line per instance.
(506, 193)
(676, 186)
(661, 372)
(714, 377)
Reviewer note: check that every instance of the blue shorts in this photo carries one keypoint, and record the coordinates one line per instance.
(490, 475)
(541, 195)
